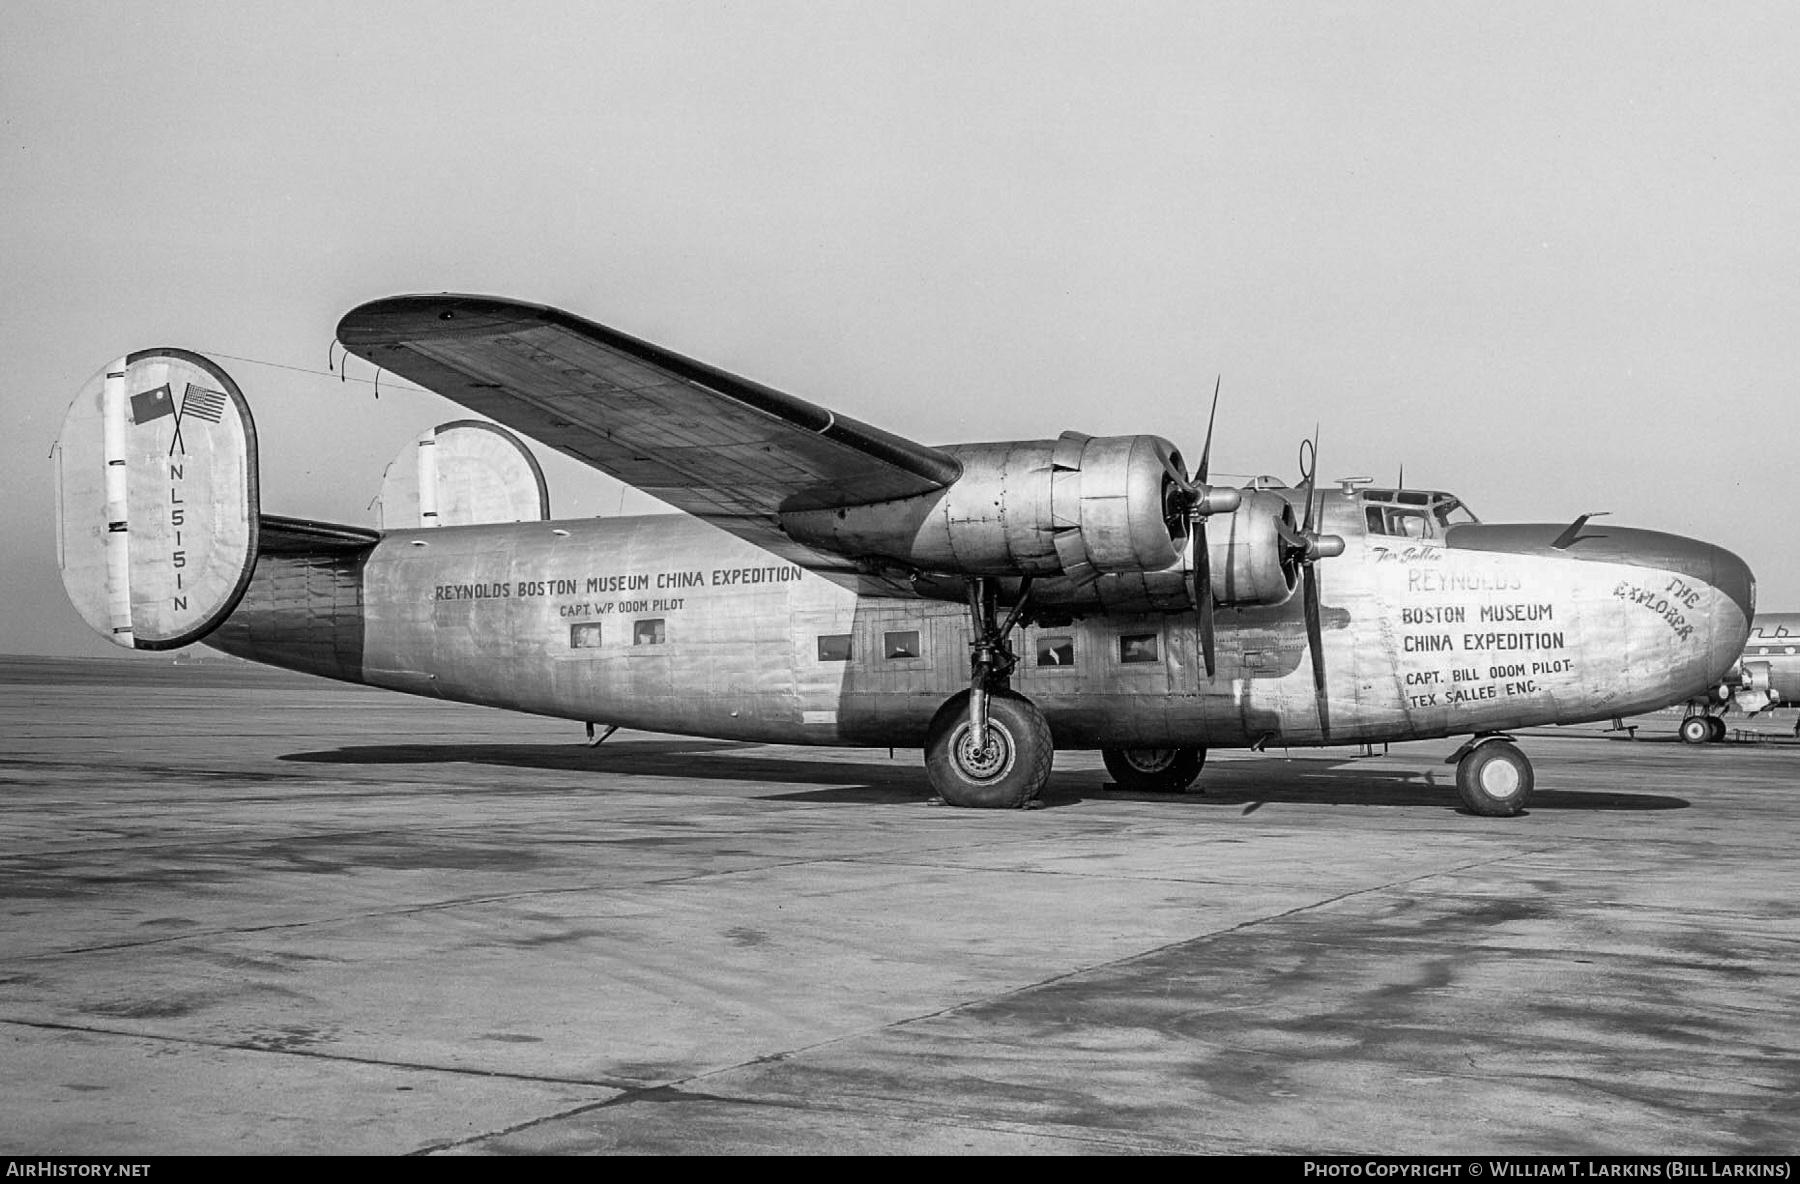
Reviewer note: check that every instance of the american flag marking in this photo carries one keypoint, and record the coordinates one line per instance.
(199, 403)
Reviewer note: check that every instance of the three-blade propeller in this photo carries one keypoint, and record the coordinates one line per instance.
(1305, 547)
(1302, 548)
(1203, 501)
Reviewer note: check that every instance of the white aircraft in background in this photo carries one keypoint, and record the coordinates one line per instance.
(1767, 676)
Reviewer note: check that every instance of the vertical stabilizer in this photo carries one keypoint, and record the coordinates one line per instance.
(464, 473)
(157, 499)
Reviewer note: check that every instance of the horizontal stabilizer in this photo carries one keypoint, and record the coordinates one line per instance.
(303, 536)
(157, 499)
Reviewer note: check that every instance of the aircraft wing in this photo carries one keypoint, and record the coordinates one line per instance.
(720, 447)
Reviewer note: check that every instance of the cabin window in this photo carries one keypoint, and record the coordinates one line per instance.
(1137, 647)
(834, 647)
(903, 644)
(1056, 651)
(648, 632)
(585, 636)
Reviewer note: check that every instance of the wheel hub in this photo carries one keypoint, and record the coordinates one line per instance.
(1500, 779)
(1150, 760)
(983, 764)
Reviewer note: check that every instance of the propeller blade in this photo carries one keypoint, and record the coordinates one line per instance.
(1309, 465)
(1315, 642)
(1176, 475)
(1206, 452)
(1201, 569)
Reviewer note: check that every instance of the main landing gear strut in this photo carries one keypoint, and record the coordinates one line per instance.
(989, 746)
(1493, 777)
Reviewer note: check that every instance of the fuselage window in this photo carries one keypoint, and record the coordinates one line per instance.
(648, 632)
(1056, 651)
(834, 647)
(1137, 647)
(900, 645)
(585, 636)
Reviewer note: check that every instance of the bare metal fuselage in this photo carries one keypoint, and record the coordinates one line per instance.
(668, 624)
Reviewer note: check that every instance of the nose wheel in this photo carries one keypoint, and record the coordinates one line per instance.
(1493, 778)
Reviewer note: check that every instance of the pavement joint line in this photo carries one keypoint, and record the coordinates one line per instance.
(647, 1092)
(310, 1054)
(673, 1092)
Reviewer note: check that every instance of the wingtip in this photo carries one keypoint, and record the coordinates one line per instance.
(394, 319)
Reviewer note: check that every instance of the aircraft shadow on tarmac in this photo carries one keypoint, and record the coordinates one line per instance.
(1243, 785)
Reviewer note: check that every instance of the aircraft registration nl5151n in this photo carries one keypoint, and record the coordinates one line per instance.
(832, 583)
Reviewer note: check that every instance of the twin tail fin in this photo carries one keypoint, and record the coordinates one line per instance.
(157, 510)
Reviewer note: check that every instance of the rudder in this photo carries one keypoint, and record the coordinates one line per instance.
(157, 510)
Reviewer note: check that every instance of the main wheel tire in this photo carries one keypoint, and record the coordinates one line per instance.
(1696, 729)
(1719, 728)
(1495, 780)
(1009, 772)
(1153, 770)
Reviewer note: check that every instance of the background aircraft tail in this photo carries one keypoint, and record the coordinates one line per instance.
(157, 513)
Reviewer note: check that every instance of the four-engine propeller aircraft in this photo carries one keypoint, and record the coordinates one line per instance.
(1767, 676)
(834, 584)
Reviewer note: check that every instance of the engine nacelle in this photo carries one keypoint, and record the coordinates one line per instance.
(1249, 561)
(1078, 506)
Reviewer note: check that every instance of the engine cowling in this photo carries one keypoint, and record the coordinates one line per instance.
(1078, 506)
(1251, 565)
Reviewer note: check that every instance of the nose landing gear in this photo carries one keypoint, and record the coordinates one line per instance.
(1493, 778)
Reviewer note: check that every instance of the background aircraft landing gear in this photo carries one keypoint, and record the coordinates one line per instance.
(1008, 772)
(1153, 770)
(1719, 728)
(1698, 729)
(1493, 778)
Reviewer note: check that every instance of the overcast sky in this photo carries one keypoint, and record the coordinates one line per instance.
(1543, 255)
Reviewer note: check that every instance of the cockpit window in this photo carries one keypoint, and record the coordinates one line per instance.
(1412, 513)
(1454, 513)
(1413, 526)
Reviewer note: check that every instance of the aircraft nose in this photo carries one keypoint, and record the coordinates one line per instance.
(1733, 577)
(1727, 624)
